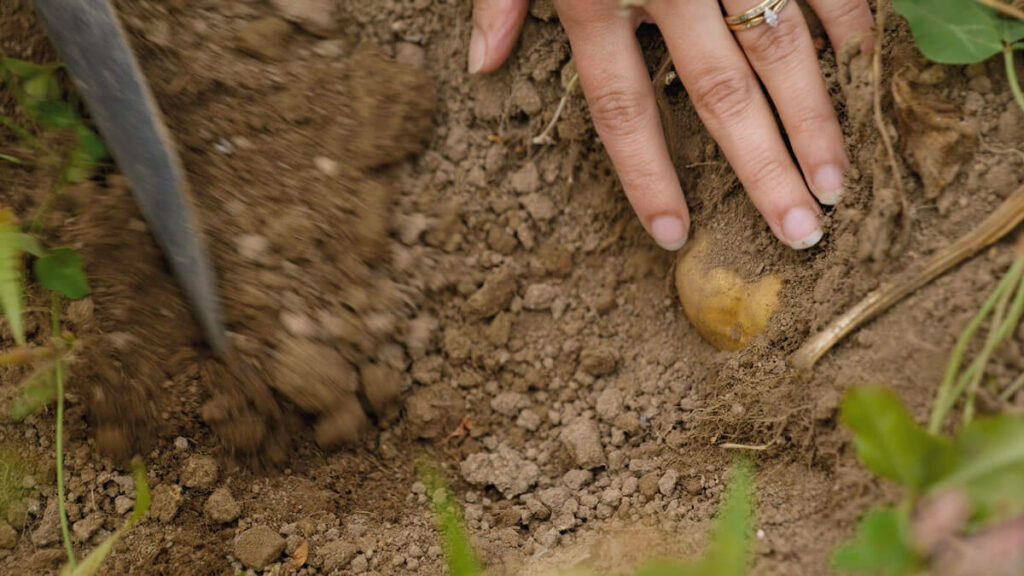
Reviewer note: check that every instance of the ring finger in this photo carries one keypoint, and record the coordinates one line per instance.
(784, 58)
(730, 102)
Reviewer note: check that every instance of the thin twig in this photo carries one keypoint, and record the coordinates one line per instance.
(1006, 9)
(756, 448)
(545, 136)
(999, 223)
(876, 85)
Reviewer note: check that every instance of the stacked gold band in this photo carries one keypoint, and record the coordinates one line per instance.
(765, 12)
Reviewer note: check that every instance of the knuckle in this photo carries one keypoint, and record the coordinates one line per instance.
(724, 96)
(849, 14)
(617, 110)
(811, 122)
(777, 45)
(767, 174)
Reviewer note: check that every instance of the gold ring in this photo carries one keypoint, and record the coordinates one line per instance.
(767, 12)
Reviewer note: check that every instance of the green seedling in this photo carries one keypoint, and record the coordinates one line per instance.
(52, 111)
(728, 554)
(982, 459)
(964, 32)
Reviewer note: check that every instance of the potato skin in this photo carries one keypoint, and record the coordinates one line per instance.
(725, 309)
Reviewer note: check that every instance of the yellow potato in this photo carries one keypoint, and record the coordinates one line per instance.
(726, 310)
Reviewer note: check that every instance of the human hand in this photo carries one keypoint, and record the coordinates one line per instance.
(720, 70)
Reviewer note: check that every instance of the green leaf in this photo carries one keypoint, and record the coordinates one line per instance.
(53, 113)
(880, 546)
(90, 565)
(991, 465)
(40, 87)
(1013, 30)
(28, 243)
(953, 31)
(89, 151)
(22, 68)
(890, 443)
(11, 290)
(61, 271)
(142, 499)
(39, 389)
(460, 557)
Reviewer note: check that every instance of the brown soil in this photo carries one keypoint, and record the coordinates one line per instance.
(395, 257)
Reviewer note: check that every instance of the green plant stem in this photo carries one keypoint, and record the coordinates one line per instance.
(1011, 75)
(946, 397)
(1012, 388)
(59, 377)
(973, 378)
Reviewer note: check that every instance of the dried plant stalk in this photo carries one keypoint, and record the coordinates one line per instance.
(999, 223)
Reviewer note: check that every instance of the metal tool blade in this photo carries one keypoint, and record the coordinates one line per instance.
(93, 47)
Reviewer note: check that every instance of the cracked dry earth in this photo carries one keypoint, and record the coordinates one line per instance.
(405, 274)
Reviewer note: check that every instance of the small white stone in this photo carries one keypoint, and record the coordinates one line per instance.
(325, 165)
(771, 17)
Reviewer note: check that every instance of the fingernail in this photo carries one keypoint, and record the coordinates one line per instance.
(828, 184)
(801, 228)
(477, 50)
(669, 232)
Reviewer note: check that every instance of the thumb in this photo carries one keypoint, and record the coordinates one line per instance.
(496, 25)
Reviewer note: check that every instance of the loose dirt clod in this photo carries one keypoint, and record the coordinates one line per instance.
(258, 546)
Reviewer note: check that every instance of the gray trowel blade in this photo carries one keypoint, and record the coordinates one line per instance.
(93, 47)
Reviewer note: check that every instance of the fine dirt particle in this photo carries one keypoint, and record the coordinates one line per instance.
(381, 384)
(258, 546)
(199, 472)
(316, 16)
(8, 536)
(504, 469)
(334, 556)
(314, 376)
(492, 297)
(433, 411)
(221, 506)
(85, 528)
(48, 530)
(265, 38)
(166, 500)
(583, 441)
(598, 361)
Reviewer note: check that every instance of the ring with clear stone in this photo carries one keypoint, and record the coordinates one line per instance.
(767, 12)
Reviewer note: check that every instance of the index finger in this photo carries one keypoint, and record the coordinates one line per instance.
(622, 106)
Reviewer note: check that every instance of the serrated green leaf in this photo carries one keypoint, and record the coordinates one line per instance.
(61, 271)
(881, 546)
(90, 144)
(28, 243)
(38, 390)
(11, 289)
(953, 31)
(890, 443)
(40, 87)
(991, 465)
(85, 158)
(53, 113)
(23, 68)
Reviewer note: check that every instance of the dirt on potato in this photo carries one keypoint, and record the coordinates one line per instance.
(404, 273)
